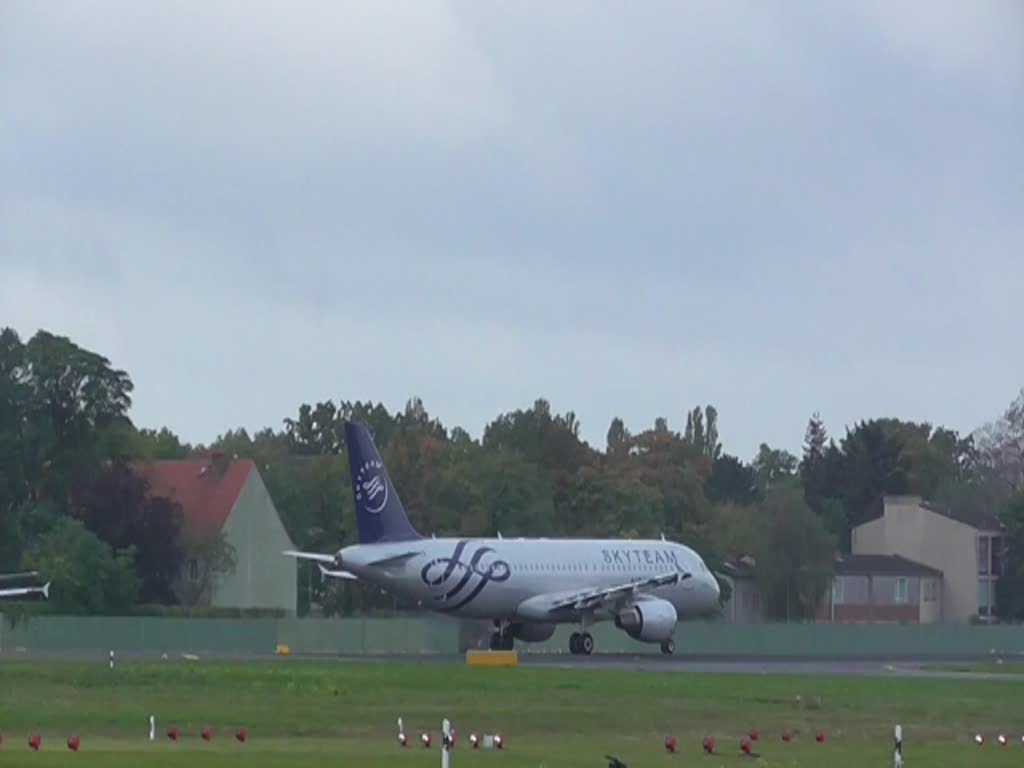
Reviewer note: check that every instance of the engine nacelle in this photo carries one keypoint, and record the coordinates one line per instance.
(650, 621)
(533, 632)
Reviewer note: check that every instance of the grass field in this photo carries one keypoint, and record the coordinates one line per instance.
(340, 713)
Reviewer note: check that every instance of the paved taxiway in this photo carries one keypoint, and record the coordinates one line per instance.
(776, 666)
(650, 662)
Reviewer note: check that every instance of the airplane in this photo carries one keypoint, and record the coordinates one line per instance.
(19, 591)
(525, 587)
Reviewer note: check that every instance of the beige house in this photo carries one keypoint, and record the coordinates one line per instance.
(229, 496)
(966, 549)
(883, 588)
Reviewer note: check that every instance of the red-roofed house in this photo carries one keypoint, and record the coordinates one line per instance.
(218, 494)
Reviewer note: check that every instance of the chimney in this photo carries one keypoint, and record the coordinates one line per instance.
(218, 463)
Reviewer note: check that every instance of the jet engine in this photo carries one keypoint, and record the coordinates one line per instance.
(533, 632)
(650, 621)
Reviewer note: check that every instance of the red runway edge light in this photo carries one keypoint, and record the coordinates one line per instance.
(73, 743)
(708, 745)
(207, 734)
(242, 735)
(820, 737)
(172, 734)
(670, 743)
(35, 741)
(745, 745)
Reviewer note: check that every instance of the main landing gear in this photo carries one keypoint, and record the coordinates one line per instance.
(501, 638)
(668, 647)
(581, 644)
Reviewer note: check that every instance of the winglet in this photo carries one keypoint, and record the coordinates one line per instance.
(46, 590)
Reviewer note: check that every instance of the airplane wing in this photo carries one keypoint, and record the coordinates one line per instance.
(612, 597)
(19, 591)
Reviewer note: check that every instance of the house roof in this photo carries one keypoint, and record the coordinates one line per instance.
(980, 519)
(741, 568)
(206, 489)
(883, 565)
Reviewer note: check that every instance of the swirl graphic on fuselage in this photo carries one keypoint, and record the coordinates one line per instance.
(440, 571)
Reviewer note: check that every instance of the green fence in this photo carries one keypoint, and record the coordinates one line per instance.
(429, 635)
(55, 634)
(812, 640)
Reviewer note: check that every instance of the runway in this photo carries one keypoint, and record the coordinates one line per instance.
(775, 666)
(893, 668)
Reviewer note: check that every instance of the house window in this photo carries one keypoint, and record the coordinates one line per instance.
(983, 555)
(997, 556)
(901, 589)
(837, 590)
(986, 597)
(193, 570)
(930, 591)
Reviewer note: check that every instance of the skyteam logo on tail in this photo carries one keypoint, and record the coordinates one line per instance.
(372, 487)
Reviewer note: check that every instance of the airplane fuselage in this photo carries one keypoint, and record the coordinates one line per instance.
(491, 578)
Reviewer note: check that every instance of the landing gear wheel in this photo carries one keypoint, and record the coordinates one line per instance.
(586, 644)
(574, 643)
(668, 647)
(502, 640)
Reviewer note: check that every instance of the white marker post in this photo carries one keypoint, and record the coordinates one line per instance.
(897, 757)
(111, 658)
(446, 744)
(152, 728)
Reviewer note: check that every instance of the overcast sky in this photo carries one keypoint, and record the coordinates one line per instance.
(627, 208)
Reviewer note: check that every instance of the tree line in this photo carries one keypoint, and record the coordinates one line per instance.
(71, 505)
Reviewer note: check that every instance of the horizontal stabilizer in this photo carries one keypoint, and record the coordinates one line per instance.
(393, 560)
(16, 576)
(310, 556)
(336, 574)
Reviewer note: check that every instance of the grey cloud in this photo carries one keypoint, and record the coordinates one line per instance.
(628, 209)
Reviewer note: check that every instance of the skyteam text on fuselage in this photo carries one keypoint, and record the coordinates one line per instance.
(525, 586)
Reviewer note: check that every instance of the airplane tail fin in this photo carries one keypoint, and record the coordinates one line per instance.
(379, 512)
